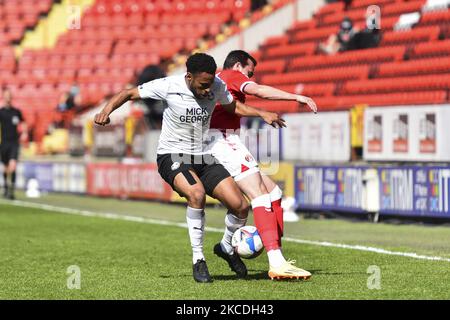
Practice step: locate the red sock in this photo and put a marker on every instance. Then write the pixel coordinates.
(278, 210)
(275, 197)
(266, 222)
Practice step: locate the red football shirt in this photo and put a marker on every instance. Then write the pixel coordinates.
(235, 81)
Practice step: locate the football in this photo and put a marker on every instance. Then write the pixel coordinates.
(247, 243)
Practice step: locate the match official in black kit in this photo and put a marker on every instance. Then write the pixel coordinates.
(10, 120)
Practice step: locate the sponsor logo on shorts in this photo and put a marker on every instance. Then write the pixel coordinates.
(175, 166)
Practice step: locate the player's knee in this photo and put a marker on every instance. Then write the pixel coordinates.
(242, 209)
(12, 167)
(196, 197)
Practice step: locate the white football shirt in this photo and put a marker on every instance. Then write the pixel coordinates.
(186, 119)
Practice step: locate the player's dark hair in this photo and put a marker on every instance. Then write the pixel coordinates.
(201, 62)
(238, 56)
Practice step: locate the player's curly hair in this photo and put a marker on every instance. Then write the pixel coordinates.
(201, 62)
(238, 56)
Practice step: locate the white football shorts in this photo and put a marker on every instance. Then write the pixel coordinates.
(234, 156)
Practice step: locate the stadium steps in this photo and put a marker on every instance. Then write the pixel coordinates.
(49, 28)
(18, 16)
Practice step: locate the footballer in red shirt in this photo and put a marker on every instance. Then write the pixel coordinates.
(227, 147)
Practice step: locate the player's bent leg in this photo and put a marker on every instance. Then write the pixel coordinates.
(287, 269)
(265, 219)
(276, 195)
(189, 185)
(229, 194)
(252, 185)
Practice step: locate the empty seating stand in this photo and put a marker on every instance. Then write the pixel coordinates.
(408, 67)
(118, 38)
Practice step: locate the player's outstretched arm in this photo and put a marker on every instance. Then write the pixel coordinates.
(114, 103)
(271, 93)
(244, 110)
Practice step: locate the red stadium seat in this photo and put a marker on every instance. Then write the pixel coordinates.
(367, 3)
(429, 82)
(411, 36)
(271, 66)
(431, 49)
(314, 34)
(414, 67)
(349, 58)
(302, 26)
(289, 50)
(388, 99)
(402, 7)
(314, 76)
(435, 18)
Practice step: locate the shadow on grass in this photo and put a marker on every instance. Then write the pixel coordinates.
(324, 272)
(257, 275)
(260, 275)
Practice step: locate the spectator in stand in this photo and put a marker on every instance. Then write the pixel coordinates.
(257, 4)
(155, 108)
(342, 41)
(370, 37)
(70, 100)
(347, 4)
(63, 104)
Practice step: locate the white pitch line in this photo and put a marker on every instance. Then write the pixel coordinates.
(116, 216)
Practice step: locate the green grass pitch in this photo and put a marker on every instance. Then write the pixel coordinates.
(132, 260)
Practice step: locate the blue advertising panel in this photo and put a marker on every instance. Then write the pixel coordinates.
(415, 191)
(329, 188)
(42, 172)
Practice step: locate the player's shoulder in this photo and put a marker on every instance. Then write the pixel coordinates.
(174, 81)
(232, 74)
(219, 83)
(160, 84)
(159, 81)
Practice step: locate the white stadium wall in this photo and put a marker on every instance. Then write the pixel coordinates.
(407, 133)
(321, 137)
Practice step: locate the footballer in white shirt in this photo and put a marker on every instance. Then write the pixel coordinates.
(182, 160)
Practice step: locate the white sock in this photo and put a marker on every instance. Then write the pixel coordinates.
(232, 223)
(262, 201)
(276, 258)
(276, 194)
(196, 223)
